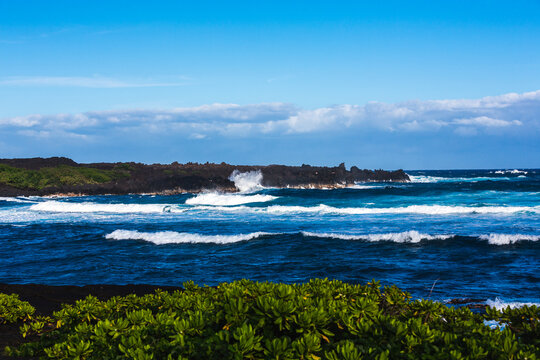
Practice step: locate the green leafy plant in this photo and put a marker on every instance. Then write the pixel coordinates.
(13, 310)
(321, 319)
(58, 176)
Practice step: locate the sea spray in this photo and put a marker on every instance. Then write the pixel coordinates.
(247, 182)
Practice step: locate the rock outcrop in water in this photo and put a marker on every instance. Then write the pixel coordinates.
(125, 178)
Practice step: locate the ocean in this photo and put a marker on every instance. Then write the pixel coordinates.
(446, 234)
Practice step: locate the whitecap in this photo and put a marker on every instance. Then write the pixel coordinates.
(228, 199)
(500, 304)
(506, 239)
(412, 209)
(411, 236)
(436, 179)
(88, 207)
(515, 171)
(173, 237)
(16, 199)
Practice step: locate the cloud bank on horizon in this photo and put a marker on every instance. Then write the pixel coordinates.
(487, 120)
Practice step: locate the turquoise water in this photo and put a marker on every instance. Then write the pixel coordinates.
(472, 233)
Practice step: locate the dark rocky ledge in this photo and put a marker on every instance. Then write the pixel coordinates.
(191, 177)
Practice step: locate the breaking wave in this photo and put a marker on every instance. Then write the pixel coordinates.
(515, 171)
(87, 207)
(226, 203)
(228, 199)
(506, 239)
(412, 209)
(500, 304)
(411, 236)
(16, 199)
(173, 237)
(425, 179)
(247, 182)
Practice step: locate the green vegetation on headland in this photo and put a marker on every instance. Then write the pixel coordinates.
(321, 319)
(57, 176)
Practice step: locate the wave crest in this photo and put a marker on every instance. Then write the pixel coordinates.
(412, 209)
(500, 304)
(228, 199)
(88, 207)
(173, 237)
(506, 239)
(411, 236)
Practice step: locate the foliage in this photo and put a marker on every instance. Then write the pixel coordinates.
(12, 309)
(58, 176)
(321, 319)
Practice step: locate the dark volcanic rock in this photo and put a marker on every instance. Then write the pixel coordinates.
(194, 177)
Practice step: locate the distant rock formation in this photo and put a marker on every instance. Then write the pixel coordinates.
(191, 177)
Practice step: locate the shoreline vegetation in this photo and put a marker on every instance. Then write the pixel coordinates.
(320, 319)
(64, 177)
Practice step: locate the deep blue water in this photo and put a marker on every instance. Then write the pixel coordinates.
(473, 233)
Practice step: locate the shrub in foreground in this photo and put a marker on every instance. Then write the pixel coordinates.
(13, 310)
(321, 319)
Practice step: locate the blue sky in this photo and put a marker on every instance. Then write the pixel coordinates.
(418, 84)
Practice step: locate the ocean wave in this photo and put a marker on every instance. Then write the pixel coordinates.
(506, 239)
(425, 179)
(173, 237)
(87, 207)
(16, 199)
(412, 209)
(411, 236)
(500, 304)
(362, 186)
(515, 171)
(228, 199)
(227, 205)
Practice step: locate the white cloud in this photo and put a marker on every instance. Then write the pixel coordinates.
(511, 112)
(487, 122)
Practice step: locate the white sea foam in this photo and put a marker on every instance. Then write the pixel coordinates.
(362, 186)
(88, 207)
(515, 171)
(16, 199)
(435, 179)
(228, 199)
(247, 182)
(506, 239)
(500, 304)
(227, 205)
(411, 236)
(173, 237)
(412, 209)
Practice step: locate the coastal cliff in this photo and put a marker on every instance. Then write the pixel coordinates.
(59, 175)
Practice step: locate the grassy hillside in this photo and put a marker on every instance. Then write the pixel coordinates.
(321, 319)
(58, 176)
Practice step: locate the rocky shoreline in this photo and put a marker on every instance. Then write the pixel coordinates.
(175, 178)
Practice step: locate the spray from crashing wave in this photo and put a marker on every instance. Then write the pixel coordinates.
(501, 304)
(247, 182)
